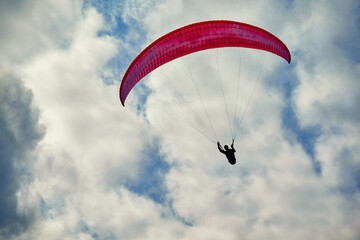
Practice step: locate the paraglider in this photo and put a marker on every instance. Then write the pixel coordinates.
(198, 37)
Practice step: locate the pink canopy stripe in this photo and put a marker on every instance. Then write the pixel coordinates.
(197, 37)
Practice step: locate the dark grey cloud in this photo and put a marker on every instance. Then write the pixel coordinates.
(19, 134)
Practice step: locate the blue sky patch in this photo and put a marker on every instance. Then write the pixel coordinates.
(286, 81)
(151, 175)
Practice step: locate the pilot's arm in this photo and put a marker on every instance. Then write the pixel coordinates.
(220, 147)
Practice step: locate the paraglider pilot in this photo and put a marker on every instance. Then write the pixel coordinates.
(229, 152)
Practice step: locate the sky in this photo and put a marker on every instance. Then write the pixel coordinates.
(76, 164)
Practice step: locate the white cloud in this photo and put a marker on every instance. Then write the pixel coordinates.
(80, 112)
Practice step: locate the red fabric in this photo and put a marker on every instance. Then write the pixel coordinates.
(197, 37)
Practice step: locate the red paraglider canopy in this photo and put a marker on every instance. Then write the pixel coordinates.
(197, 37)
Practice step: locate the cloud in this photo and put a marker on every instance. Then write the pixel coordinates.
(326, 96)
(31, 27)
(20, 133)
